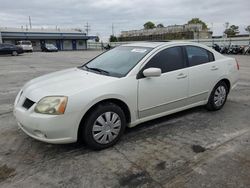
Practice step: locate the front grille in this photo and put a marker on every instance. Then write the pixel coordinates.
(28, 103)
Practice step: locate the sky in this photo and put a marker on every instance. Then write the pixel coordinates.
(123, 14)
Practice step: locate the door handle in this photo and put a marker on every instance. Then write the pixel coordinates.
(214, 68)
(181, 76)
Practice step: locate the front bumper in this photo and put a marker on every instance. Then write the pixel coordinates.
(55, 129)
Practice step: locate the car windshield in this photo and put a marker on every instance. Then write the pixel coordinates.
(118, 61)
(26, 43)
(50, 45)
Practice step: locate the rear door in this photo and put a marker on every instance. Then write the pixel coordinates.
(204, 71)
(1, 49)
(6, 49)
(169, 91)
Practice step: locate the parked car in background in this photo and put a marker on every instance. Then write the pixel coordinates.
(26, 45)
(124, 86)
(10, 49)
(49, 48)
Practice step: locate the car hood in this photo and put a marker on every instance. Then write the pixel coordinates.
(51, 48)
(63, 83)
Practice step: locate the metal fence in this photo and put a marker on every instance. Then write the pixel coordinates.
(209, 42)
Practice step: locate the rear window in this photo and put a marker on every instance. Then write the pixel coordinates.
(24, 43)
(198, 56)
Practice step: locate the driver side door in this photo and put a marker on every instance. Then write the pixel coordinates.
(168, 92)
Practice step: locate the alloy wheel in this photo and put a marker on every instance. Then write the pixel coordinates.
(14, 53)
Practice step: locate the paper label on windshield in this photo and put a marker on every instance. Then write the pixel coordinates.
(138, 50)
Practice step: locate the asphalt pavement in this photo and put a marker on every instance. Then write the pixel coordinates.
(194, 148)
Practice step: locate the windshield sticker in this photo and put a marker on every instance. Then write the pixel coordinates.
(139, 50)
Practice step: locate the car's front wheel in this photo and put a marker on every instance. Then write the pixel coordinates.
(104, 126)
(14, 53)
(218, 96)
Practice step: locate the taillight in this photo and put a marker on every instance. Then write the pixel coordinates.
(238, 66)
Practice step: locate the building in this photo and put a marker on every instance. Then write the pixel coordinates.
(63, 39)
(172, 32)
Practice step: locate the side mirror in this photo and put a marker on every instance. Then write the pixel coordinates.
(152, 72)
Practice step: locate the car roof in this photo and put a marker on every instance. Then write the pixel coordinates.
(161, 44)
(145, 44)
(7, 44)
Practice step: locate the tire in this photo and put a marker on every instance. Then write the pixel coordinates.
(14, 53)
(218, 97)
(98, 132)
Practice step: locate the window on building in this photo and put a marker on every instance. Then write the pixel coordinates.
(80, 43)
(33, 43)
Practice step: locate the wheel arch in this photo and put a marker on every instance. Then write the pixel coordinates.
(116, 101)
(227, 82)
(222, 79)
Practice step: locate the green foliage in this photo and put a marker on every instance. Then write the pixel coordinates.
(232, 30)
(198, 21)
(113, 38)
(97, 39)
(160, 25)
(149, 25)
(247, 29)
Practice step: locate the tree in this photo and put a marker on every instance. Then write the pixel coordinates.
(160, 25)
(113, 38)
(97, 39)
(232, 30)
(198, 21)
(247, 29)
(149, 25)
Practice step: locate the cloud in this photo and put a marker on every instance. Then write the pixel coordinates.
(125, 15)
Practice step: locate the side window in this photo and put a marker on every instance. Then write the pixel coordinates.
(167, 60)
(210, 56)
(198, 56)
(9, 46)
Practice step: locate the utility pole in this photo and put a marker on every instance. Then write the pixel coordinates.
(226, 25)
(212, 29)
(1, 41)
(212, 24)
(113, 28)
(30, 22)
(87, 28)
(225, 34)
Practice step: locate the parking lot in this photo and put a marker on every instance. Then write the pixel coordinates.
(194, 148)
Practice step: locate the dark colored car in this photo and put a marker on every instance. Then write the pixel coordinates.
(49, 48)
(10, 49)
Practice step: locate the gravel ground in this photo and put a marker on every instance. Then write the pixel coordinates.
(194, 148)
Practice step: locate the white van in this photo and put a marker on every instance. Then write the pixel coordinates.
(26, 45)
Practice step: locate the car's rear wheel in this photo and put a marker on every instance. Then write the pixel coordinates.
(218, 96)
(104, 126)
(14, 53)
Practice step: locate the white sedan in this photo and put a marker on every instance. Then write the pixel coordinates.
(125, 86)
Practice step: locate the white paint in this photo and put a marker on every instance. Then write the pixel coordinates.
(84, 89)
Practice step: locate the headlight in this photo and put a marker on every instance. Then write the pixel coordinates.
(54, 105)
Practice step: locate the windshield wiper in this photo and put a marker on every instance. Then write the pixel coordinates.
(97, 70)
